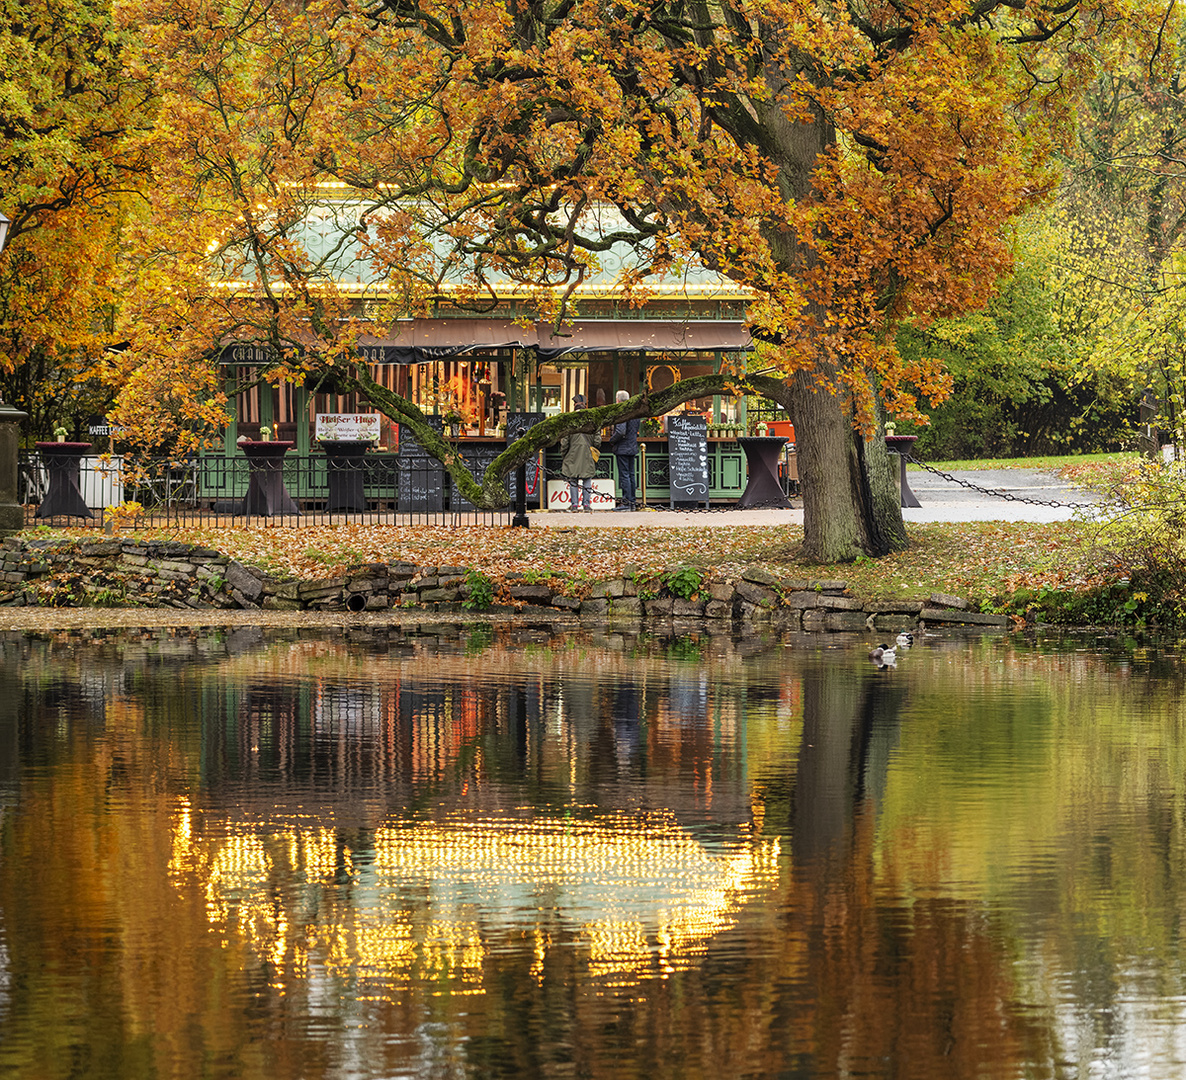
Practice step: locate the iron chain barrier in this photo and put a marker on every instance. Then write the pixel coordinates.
(1008, 496)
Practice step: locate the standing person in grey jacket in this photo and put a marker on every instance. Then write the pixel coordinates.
(579, 465)
(624, 443)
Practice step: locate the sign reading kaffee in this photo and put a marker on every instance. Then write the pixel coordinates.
(347, 427)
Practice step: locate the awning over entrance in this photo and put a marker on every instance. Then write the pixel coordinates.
(421, 340)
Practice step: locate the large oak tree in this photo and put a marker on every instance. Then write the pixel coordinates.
(850, 164)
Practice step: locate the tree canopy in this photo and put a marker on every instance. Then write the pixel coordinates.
(68, 112)
(851, 165)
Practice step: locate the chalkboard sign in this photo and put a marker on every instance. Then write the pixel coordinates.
(478, 456)
(421, 476)
(518, 424)
(687, 458)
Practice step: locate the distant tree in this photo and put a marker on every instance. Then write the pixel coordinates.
(68, 164)
(1019, 385)
(1122, 215)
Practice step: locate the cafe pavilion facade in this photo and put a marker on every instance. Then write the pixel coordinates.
(474, 372)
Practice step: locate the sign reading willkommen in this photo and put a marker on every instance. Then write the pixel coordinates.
(602, 494)
(347, 427)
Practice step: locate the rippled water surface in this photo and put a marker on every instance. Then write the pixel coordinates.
(489, 853)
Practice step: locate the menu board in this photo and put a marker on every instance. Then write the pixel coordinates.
(421, 476)
(478, 456)
(687, 458)
(518, 424)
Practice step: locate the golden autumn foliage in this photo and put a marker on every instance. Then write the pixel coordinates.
(66, 171)
(852, 166)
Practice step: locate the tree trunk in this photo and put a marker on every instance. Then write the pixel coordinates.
(851, 502)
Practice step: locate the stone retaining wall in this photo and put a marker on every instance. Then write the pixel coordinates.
(137, 573)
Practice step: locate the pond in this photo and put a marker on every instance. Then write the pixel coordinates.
(492, 852)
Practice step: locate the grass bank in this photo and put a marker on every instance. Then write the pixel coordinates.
(1000, 567)
(1068, 572)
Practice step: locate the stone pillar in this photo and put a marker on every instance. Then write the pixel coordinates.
(12, 513)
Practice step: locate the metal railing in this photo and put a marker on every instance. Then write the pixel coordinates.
(215, 490)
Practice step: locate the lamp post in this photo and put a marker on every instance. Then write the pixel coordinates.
(12, 513)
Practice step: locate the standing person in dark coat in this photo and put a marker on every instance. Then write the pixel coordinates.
(579, 465)
(624, 443)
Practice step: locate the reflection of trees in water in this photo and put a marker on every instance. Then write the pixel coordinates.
(866, 961)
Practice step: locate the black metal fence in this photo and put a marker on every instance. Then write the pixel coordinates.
(67, 488)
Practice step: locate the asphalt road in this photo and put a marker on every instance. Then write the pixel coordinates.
(942, 500)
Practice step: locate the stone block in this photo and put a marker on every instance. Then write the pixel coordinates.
(627, 605)
(837, 621)
(951, 617)
(275, 603)
(176, 566)
(836, 586)
(439, 596)
(240, 580)
(566, 603)
(99, 549)
(841, 603)
(682, 609)
(757, 575)
(531, 594)
(661, 606)
(595, 605)
(718, 609)
(720, 590)
(815, 619)
(367, 584)
(895, 622)
(307, 590)
(942, 600)
(757, 595)
(894, 607)
(611, 589)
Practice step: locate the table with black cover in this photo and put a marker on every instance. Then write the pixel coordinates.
(345, 471)
(763, 487)
(266, 494)
(900, 445)
(62, 463)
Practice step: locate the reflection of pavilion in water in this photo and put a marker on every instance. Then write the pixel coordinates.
(411, 733)
(467, 812)
(639, 895)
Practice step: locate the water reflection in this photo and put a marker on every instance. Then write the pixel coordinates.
(486, 854)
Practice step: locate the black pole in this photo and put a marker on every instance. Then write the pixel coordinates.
(519, 521)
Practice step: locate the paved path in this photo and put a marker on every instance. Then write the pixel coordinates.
(941, 500)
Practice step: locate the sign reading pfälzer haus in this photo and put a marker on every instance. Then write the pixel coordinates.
(347, 427)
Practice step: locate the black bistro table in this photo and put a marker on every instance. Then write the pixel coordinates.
(763, 487)
(345, 471)
(266, 494)
(62, 463)
(900, 445)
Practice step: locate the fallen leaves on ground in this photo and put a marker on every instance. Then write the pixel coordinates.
(981, 560)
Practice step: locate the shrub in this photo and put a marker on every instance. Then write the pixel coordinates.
(479, 591)
(684, 582)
